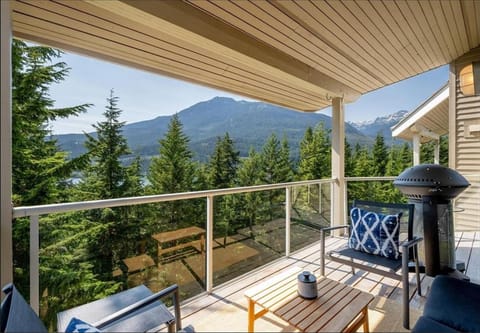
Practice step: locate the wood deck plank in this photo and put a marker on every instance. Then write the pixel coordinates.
(232, 293)
(464, 247)
(473, 266)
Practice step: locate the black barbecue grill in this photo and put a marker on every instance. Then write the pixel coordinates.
(431, 188)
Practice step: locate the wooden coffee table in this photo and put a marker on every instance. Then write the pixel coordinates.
(338, 308)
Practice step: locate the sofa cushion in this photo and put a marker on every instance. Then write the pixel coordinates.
(79, 326)
(427, 325)
(455, 303)
(374, 233)
(16, 313)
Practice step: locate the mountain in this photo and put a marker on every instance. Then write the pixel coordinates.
(248, 124)
(380, 125)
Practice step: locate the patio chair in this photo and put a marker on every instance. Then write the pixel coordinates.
(380, 240)
(133, 310)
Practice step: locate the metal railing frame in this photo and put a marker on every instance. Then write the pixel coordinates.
(34, 213)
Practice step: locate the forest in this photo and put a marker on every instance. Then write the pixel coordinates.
(80, 250)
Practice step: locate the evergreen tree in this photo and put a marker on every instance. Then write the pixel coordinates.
(107, 178)
(349, 160)
(250, 173)
(315, 154)
(406, 156)
(444, 150)
(173, 171)
(363, 168)
(379, 155)
(223, 163)
(40, 176)
(427, 151)
(285, 164)
(394, 164)
(275, 171)
(39, 168)
(222, 172)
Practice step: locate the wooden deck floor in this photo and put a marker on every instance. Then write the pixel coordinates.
(226, 308)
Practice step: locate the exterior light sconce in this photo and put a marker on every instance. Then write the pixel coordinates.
(470, 79)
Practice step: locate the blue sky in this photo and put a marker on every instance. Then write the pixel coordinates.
(145, 96)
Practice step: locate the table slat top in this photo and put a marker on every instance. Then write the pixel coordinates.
(336, 306)
(177, 234)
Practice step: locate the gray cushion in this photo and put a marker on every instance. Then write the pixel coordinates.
(427, 325)
(454, 303)
(17, 315)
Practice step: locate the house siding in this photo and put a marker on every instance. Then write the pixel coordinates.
(466, 149)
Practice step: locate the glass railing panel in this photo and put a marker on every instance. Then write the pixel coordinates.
(311, 210)
(87, 255)
(373, 190)
(249, 231)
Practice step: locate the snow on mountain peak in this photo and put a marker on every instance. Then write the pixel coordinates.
(389, 120)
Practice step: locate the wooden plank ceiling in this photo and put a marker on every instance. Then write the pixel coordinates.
(298, 54)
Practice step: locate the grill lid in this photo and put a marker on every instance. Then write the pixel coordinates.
(430, 180)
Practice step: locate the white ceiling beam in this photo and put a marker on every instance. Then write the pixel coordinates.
(425, 132)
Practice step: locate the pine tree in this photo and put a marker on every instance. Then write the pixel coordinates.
(223, 163)
(406, 156)
(250, 173)
(315, 154)
(285, 165)
(40, 176)
(444, 150)
(173, 172)
(363, 168)
(379, 155)
(277, 166)
(394, 164)
(222, 172)
(108, 178)
(275, 171)
(349, 160)
(39, 168)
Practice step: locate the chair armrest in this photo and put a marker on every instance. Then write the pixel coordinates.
(408, 244)
(172, 290)
(335, 227)
(405, 246)
(322, 244)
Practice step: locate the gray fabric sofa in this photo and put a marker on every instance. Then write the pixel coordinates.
(453, 305)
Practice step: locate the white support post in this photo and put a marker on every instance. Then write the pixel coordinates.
(436, 152)
(338, 162)
(34, 263)
(416, 149)
(288, 215)
(6, 247)
(209, 246)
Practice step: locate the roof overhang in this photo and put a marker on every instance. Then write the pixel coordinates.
(429, 120)
(298, 54)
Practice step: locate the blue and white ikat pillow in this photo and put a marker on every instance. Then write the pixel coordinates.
(79, 326)
(375, 233)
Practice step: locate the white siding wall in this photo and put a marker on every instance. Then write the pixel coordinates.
(466, 149)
